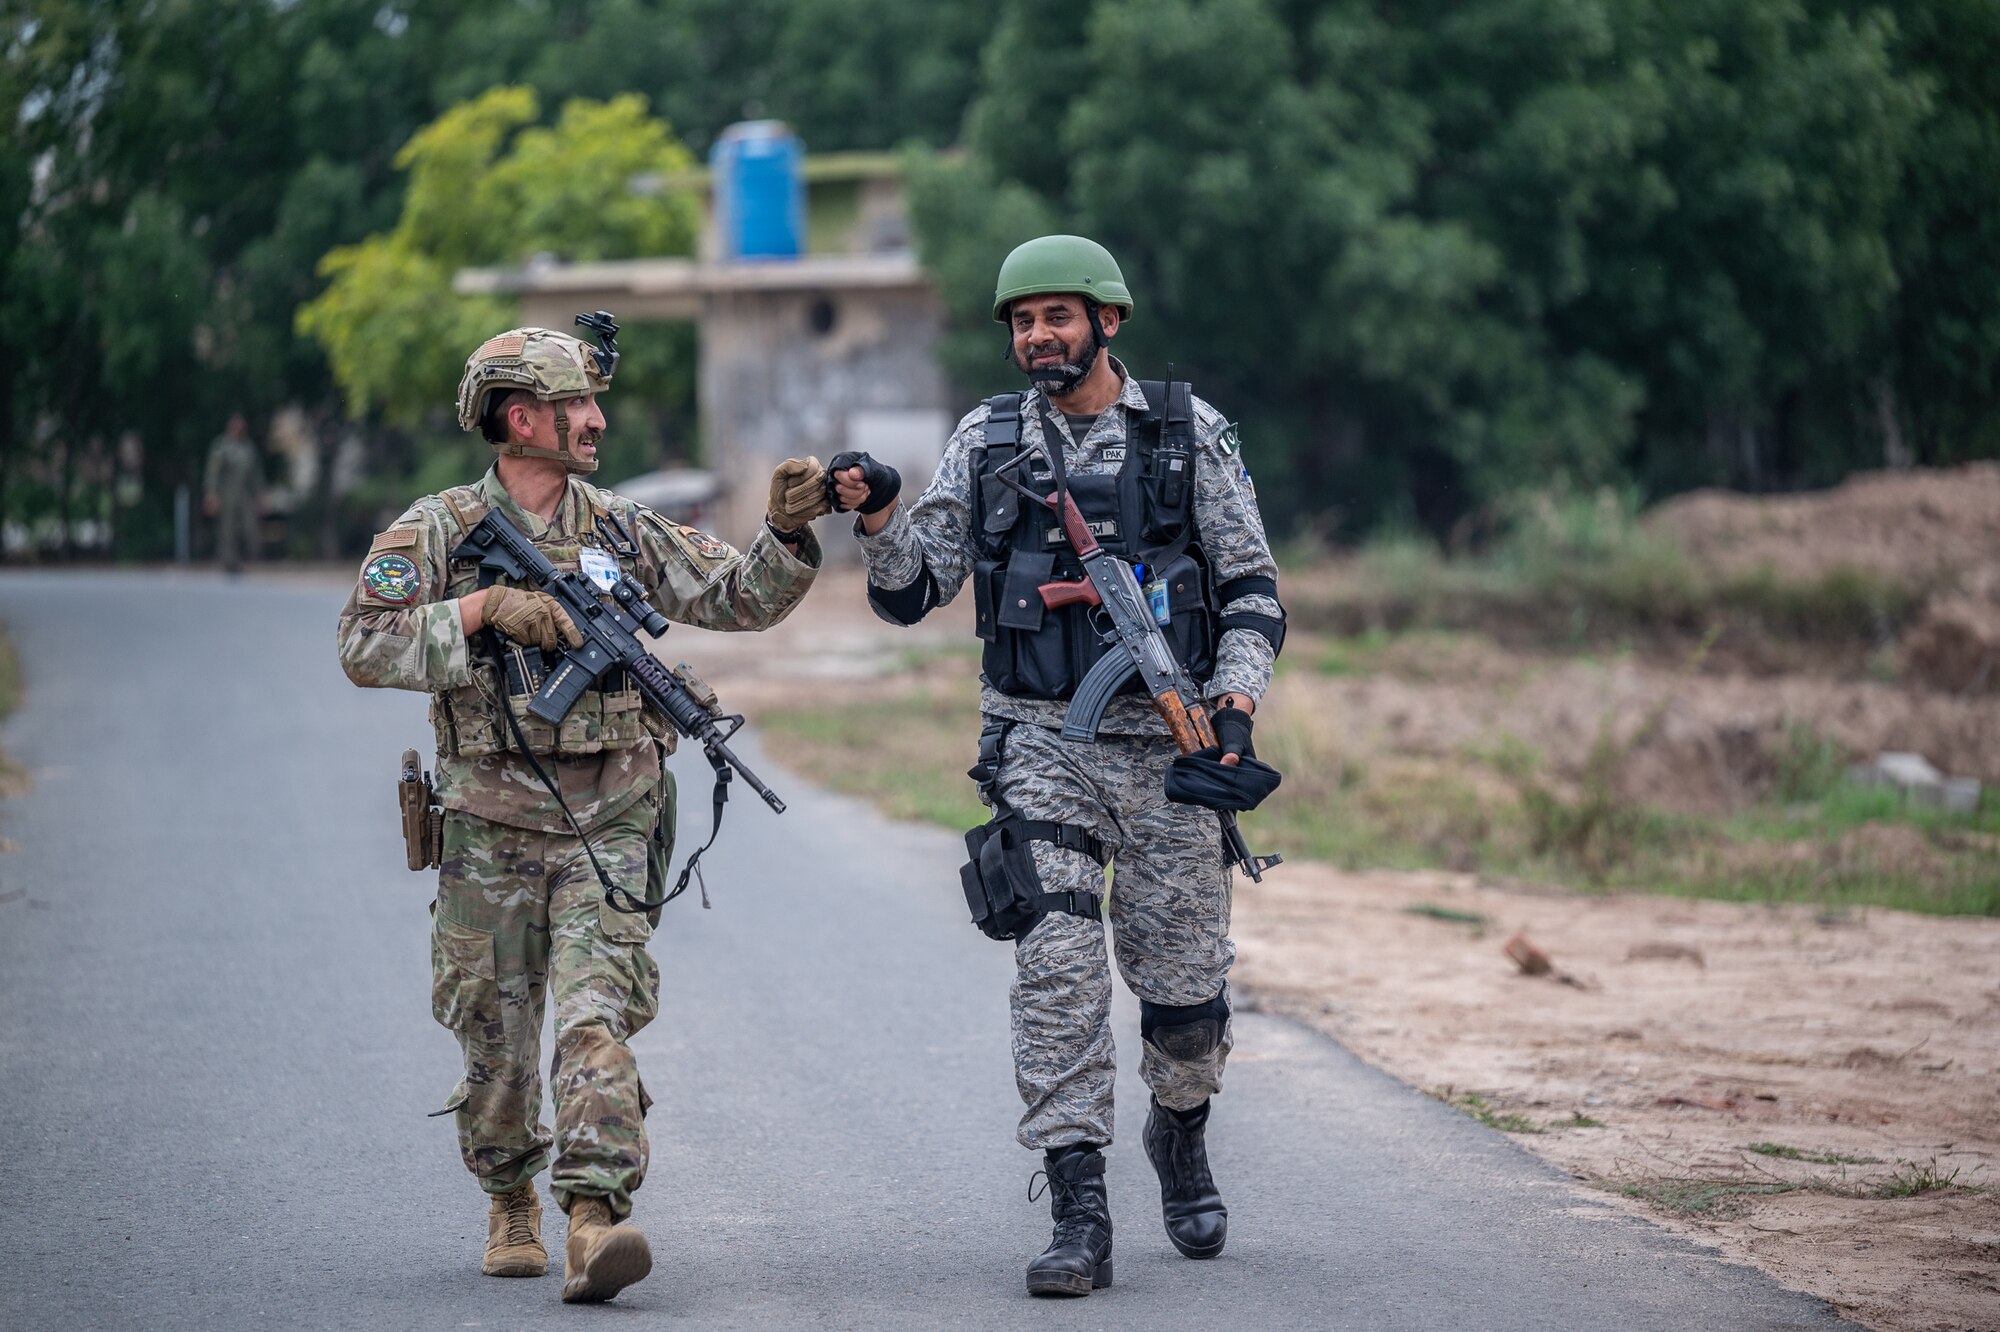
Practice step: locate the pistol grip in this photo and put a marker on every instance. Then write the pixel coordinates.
(1082, 593)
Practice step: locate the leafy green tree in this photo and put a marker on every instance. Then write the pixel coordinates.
(1941, 347)
(489, 186)
(1440, 250)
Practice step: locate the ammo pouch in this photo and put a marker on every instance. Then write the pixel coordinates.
(1003, 888)
(423, 817)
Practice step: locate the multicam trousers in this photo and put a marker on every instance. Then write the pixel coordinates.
(519, 913)
(1169, 914)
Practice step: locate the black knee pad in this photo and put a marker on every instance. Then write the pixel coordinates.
(1185, 1031)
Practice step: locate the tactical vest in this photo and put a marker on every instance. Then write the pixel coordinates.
(467, 719)
(1143, 514)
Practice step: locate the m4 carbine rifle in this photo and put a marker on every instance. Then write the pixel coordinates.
(610, 625)
(1137, 648)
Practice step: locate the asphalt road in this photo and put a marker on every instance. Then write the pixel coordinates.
(216, 1058)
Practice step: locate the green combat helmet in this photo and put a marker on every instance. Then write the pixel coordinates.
(1061, 264)
(553, 366)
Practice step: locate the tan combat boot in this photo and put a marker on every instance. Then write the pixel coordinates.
(514, 1234)
(602, 1257)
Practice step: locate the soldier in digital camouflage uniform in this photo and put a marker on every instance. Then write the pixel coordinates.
(519, 910)
(1126, 450)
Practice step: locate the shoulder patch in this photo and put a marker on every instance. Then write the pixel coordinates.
(396, 538)
(697, 547)
(704, 545)
(1229, 441)
(392, 579)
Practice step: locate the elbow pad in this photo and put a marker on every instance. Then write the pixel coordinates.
(905, 605)
(1272, 627)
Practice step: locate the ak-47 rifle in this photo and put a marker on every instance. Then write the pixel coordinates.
(1137, 648)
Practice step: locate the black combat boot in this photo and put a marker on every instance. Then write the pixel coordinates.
(1197, 1222)
(1078, 1259)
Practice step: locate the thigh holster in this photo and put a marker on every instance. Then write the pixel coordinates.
(1002, 886)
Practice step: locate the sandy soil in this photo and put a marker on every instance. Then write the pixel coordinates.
(1688, 1031)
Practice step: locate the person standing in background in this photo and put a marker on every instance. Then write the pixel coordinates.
(230, 486)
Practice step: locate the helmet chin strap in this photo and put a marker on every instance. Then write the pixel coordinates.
(560, 453)
(570, 461)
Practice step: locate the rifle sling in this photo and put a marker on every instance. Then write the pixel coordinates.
(612, 892)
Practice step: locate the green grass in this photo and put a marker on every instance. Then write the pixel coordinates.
(1579, 568)
(1914, 1179)
(1451, 914)
(1491, 808)
(1476, 1107)
(1785, 1153)
(1848, 806)
(1357, 654)
(909, 756)
(1712, 1200)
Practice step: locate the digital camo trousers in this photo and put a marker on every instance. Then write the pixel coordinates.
(519, 913)
(1169, 914)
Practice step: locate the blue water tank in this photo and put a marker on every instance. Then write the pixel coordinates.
(760, 193)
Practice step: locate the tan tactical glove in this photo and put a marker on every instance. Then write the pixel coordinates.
(798, 494)
(534, 618)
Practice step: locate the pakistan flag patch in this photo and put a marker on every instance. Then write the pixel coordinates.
(392, 578)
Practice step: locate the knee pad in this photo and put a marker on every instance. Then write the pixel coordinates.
(1185, 1031)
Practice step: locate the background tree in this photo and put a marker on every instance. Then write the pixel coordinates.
(1434, 252)
(487, 186)
(1428, 252)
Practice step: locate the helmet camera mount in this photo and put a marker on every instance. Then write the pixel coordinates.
(600, 324)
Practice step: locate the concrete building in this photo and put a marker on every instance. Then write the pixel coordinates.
(829, 351)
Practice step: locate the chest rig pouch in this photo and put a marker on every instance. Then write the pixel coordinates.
(468, 720)
(1143, 513)
(1002, 886)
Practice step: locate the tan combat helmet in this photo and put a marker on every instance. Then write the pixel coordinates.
(553, 366)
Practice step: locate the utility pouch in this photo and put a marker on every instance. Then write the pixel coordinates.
(423, 817)
(1002, 886)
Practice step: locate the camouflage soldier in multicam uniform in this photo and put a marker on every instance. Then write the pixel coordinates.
(520, 911)
(1128, 451)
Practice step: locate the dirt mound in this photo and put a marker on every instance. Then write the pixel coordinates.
(1915, 528)
(1954, 645)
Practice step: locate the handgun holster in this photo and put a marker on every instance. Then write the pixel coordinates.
(423, 817)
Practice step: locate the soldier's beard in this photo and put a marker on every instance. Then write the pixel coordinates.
(1061, 378)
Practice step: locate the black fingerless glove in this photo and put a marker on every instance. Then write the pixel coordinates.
(1202, 778)
(1232, 732)
(883, 481)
